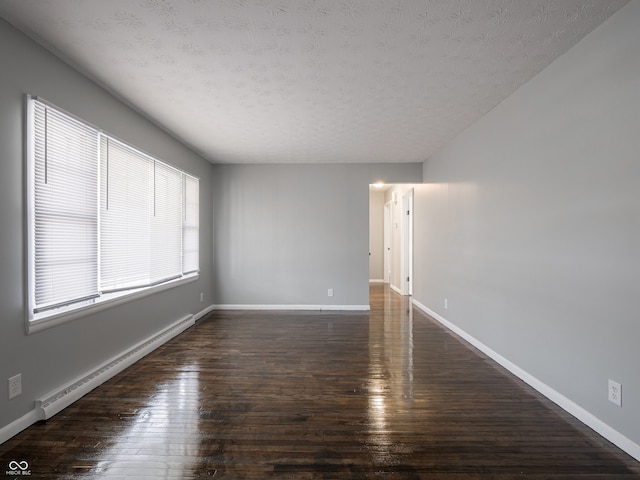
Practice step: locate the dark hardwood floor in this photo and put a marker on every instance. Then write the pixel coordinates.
(316, 395)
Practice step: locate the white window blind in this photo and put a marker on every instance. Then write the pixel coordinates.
(65, 215)
(125, 215)
(106, 218)
(166, 224)
(191, 225)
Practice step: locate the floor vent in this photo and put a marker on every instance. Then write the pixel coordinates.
(65, 395)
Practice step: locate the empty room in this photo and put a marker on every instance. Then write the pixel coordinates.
(319, 239)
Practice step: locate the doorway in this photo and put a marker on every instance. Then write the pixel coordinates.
(391, 236)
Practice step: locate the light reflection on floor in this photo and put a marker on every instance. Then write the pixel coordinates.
(166, 428)
(390, 383)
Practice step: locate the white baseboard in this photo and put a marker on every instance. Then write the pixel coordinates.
(376, 280)
(556, 397)
(18, 425)
(395, 289)
(364, 308)
(63, 396)
(202, 313)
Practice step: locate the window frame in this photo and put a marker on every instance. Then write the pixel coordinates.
(35, 322)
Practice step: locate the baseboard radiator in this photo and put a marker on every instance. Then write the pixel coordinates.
(63, 396)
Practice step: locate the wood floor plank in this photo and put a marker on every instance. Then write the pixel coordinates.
(316, 395)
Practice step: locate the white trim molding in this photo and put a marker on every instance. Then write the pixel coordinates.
(364, 308)
(202, 313)
(556, 397)
(18, 425)
(376, 280)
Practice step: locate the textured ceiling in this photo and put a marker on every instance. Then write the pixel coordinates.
(310, 80)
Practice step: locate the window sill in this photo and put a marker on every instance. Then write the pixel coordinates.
(68, 314)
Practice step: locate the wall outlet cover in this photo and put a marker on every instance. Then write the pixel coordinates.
(15, 386)
(615, 392)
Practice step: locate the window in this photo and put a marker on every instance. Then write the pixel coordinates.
(105, 220)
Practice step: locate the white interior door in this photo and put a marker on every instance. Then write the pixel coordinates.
(407, 243)
(387, 242)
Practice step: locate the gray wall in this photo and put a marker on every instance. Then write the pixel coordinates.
(286, 233)
(530, 225)
(52, 357)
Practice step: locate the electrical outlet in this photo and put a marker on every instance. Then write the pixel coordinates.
(330, 292)
(615, 393)
(201, 297)
(15, 386)
(446, 303)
